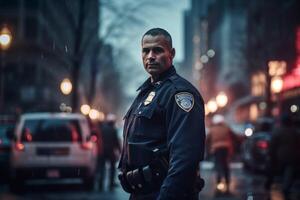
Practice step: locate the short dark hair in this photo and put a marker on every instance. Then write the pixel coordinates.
(159, 31)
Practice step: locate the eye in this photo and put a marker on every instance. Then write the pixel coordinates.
(145, 51)
(158, 50)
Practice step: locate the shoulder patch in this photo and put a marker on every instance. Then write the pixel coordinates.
(185, 101)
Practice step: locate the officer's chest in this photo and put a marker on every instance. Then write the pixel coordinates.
(147, 116)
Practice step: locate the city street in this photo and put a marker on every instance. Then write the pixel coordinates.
(244, 186)
(156, 84)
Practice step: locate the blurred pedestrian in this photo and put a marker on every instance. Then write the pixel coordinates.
(284, 155)
(111, 151)
(220, 146)
(164, 132)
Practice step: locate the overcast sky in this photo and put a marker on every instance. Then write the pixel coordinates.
(168, 17)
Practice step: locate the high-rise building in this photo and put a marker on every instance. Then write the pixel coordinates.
(49, 37)
(245, 37)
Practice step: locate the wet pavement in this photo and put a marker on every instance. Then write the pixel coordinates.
(244, 186)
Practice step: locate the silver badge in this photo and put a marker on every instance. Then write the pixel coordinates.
(185, 101)
(149, 98)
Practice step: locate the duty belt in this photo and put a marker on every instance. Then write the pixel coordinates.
(143, 180)
(147, 180)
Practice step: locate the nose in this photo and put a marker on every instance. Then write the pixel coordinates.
(151, 55)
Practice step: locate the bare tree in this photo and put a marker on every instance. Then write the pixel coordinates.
(72, 27)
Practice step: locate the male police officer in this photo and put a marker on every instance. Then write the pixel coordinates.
(164, 132)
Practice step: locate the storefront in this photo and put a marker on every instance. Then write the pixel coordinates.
(290, 96)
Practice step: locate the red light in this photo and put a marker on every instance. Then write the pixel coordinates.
(290, 81)
(87, 145)
(94, 138)
(262, 144)
(298, 40)
(20, 146)
(28, 137)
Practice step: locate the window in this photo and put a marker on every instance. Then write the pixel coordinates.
(51, 130)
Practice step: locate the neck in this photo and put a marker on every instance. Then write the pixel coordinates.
(154, 79)
(157, 77)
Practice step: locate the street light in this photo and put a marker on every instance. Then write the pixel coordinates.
(276, 84)
(212, 106)
(207, 111)
(5, 41)
(221, 99)
(85, 109)
(66, 86)
(5, 38)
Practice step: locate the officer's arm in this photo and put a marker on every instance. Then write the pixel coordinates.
(186, 138)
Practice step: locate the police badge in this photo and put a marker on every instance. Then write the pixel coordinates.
(185, 101)
(149, 98)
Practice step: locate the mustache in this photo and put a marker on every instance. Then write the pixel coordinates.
(152, 63)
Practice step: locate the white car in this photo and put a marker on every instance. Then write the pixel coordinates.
(52, 146)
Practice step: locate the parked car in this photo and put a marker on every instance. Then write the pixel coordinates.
(254, 151)
(52, 146)
(7, 124)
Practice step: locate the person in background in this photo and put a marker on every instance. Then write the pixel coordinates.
(111, 151)
(284, 155)
(220, 146)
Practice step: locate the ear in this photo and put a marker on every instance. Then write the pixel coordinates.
(173, 52)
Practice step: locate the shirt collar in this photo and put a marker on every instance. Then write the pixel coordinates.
(162, 77)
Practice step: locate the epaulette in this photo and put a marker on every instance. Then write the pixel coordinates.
(173, 79)
(181, 84)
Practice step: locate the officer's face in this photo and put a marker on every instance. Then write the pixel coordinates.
(157, 54)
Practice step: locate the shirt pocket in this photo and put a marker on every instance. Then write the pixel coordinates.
(147, 125)
(145, 111)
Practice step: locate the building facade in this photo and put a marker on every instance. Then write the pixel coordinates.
(48, 39)
(245, 38)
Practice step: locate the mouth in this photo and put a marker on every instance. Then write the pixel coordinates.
(151, 65)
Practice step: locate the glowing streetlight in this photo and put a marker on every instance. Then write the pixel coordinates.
(211, 53)
(221, 99)
(248, 132)
(5, 38)
(294, 108)
(276, 84)
(212, 106)
(85, 109)
(206, 109)
(5, 41)
(66, 86)
(94, 114)
(101, 116)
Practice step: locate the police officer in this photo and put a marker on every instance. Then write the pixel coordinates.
(164, 133)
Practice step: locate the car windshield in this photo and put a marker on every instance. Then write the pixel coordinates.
(45, 130)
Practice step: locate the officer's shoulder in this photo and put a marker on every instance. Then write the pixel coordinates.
(179, 83)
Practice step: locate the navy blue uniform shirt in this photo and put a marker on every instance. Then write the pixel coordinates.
(169, 112)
